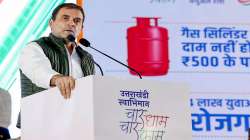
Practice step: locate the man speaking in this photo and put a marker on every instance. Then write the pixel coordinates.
(53, 61)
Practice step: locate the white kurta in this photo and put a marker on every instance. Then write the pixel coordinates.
(37, 67)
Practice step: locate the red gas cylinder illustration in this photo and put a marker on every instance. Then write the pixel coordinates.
(148, 47)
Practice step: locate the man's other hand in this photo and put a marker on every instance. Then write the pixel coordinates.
(65, 84)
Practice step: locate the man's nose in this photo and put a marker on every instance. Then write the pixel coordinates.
(71, 22)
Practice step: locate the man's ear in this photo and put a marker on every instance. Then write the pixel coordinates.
(50, 22)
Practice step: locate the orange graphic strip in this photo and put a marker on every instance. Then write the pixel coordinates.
(80, 3)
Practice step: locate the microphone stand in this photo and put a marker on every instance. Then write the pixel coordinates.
(117, 61)
(78, 48)
(71, 38)
(98, 67)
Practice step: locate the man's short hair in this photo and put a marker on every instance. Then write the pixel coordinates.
(69, 6)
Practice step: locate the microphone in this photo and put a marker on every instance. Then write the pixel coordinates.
(86, 43)
(71, 38)
(80, 51)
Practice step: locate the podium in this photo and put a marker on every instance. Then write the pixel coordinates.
(109, 108)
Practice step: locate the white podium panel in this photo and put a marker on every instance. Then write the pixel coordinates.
(107, 108)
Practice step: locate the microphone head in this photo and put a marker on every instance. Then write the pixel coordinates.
(71, 38)
(84, 42)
